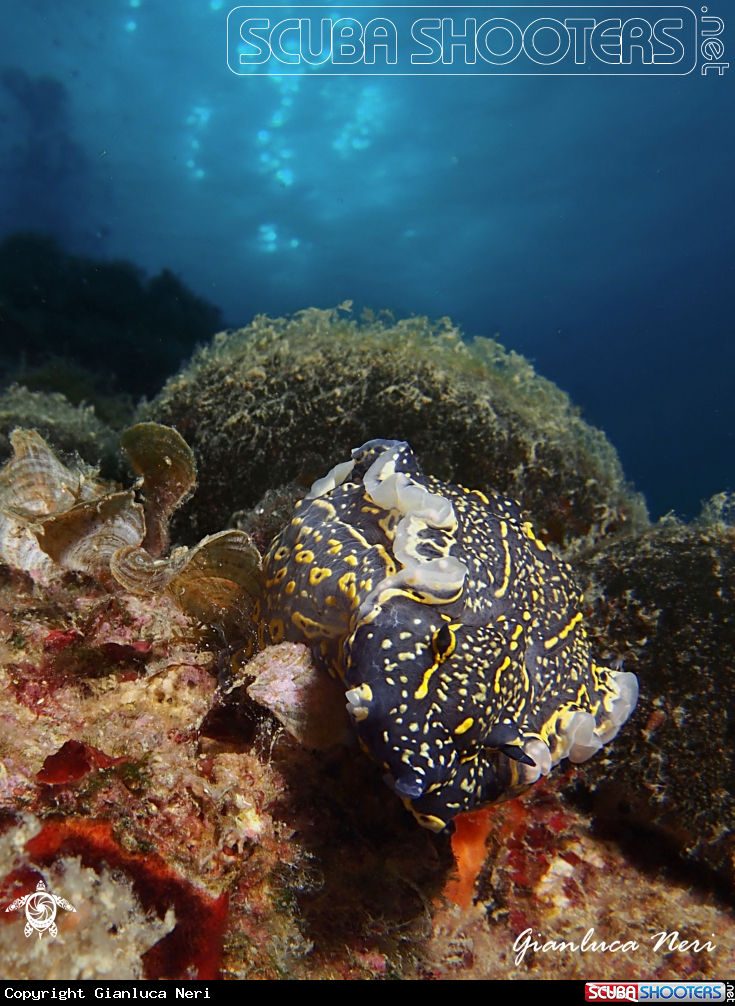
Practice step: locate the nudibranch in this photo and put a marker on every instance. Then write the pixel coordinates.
(457, 632)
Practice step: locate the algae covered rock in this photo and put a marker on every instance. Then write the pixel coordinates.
(71, 429)
(286, 399)
(666, 604)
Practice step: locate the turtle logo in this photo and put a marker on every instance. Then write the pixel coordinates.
(41, 910)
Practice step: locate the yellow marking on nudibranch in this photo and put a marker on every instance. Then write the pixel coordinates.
(321, 504)
(464, 726)
(336, 547)
(276, 629)
(570, 625)
(500, 592)
(526, 679)
(350, 560)
(387, 558)
(277, 578)
(388, 523)
(423, 689)
(318, 574)
(313, 629)
(483, 497)
(583, 696)
(290, 587)
(359, 538)
(347, 584)
(513, 639)
(429, 821)
(501, 668)
(304, 556)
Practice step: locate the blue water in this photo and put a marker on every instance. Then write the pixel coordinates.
(588, 221)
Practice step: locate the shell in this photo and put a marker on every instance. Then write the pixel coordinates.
(165, 462)
(54, 518)
(307, 702)
(218, 581)
(86, 537)
(19, 548)
(138, 572)
(35, 485)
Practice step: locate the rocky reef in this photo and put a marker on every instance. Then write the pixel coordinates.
(664, 601)
(207, 808)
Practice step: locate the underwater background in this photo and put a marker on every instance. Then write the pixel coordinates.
(214, 287)
(586, 221)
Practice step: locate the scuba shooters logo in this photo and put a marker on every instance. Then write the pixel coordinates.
(471, 40)
(712, 47)
(40, 908)
(657, 991)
